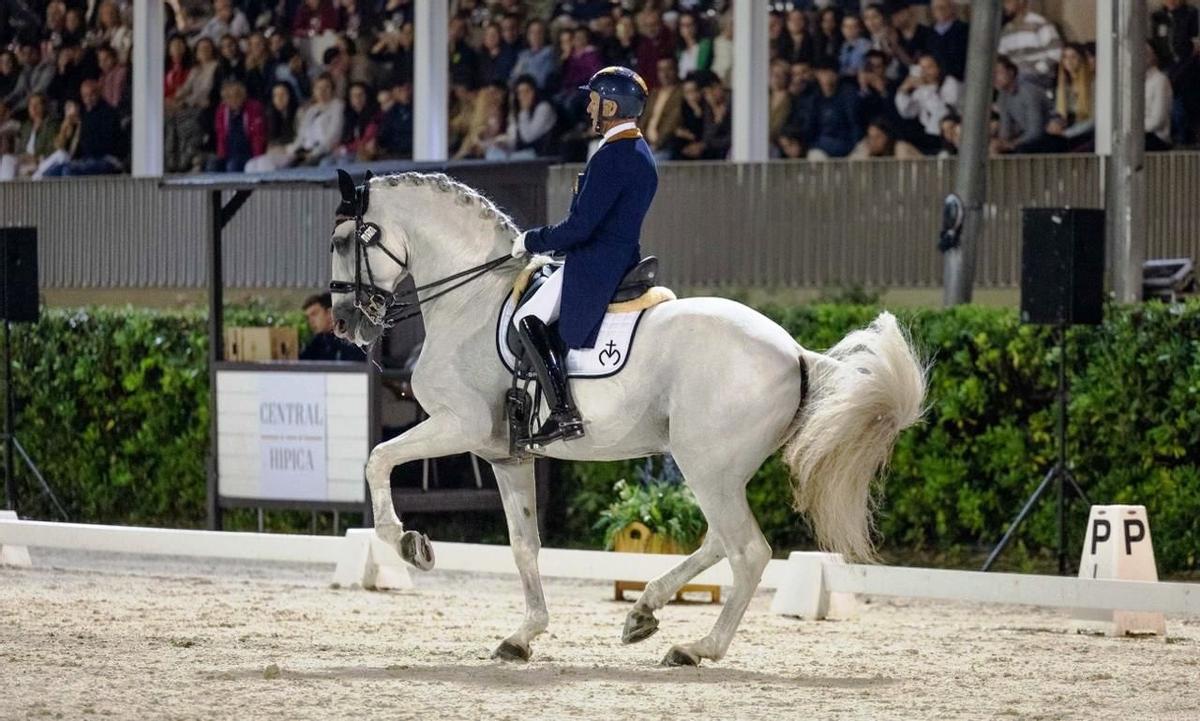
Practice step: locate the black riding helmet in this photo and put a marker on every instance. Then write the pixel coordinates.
(622, 94)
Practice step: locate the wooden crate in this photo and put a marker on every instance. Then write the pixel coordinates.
(261, 344)
(637, 538)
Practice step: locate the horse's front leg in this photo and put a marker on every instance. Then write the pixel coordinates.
(518, 491)
(439, 435)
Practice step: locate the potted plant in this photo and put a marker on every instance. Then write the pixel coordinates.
(654, 514)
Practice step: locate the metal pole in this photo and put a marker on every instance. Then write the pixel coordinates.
(431, 73)
(216, 350)
(970, 182)
(750, 70)
(1126, 186)
(10, 484)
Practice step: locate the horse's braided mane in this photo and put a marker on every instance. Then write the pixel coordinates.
(464, 195)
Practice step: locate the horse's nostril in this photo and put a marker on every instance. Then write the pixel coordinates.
(341, 325)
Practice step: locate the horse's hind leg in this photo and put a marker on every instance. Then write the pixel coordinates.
(518, 492)
(641, 624)
(730, 519)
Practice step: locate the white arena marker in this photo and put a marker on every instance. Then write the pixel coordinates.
(13, 555)
(1118, 546)
(803, 591)
(368, 562)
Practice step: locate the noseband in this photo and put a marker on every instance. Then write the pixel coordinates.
(380, 306)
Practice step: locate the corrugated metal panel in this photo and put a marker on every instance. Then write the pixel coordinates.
(782, 224)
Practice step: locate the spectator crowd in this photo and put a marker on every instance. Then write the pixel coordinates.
(258, 85)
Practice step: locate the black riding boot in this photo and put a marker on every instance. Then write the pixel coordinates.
(564, 421)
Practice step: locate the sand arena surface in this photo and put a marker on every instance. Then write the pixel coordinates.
(96, 636)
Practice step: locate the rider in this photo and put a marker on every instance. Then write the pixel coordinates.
(599, 240)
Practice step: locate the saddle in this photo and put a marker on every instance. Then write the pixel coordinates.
(633, 296)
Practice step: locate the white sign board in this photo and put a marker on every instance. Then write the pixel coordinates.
(1118, 546)
(292, 436)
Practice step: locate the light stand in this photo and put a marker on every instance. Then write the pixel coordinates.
(1058, 475)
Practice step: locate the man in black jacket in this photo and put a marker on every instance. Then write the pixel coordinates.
(99, 136)
(325, 346)
(947, 42)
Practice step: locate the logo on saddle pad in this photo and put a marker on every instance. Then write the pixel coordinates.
(609, 356)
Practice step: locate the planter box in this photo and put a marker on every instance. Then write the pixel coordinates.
(637, 538)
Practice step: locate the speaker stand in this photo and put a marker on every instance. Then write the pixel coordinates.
(1059, 475)
(11, 443)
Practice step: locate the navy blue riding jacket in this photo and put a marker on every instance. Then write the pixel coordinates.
(600, 234)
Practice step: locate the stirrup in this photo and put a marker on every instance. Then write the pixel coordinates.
(564, 425)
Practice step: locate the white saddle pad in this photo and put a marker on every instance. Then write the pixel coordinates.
(606, 358)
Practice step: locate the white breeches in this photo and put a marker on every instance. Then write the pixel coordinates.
(545, 301)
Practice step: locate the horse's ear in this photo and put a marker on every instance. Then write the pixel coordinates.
(346, 185)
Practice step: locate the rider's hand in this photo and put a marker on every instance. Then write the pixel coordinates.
(518, 248)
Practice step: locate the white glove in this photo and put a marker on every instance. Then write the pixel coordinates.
(518, 248)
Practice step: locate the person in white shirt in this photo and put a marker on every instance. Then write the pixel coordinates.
(529, 124)
(318, 131)
(1159, 98)
(928, 95)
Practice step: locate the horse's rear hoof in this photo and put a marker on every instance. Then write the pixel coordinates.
(416, 549)
(509, 651)
(677, 656)
(639, 626)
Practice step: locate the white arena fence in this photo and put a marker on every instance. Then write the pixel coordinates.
(809, 585)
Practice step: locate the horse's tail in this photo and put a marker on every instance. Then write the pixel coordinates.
(862, 393)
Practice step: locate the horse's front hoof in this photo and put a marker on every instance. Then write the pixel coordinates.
(678, 656)
(416, 549)
(639, 626)
(512, 651)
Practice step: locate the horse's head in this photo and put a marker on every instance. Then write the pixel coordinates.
(367, 267)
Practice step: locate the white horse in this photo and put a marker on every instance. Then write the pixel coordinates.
(710, 381)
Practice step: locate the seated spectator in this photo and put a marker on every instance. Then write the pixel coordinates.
(1175, 32)
(35, 141)
(776, 37)
(854, 47)
(359, 128)
(686, 144)
(65, 141)
(74, 29)
(655, 41)
(10, 74)
(394, 49)
(9, 129)
(487, 122)
(622, 49)
(951, 128)
(315, 17)
(97, 149)
(464, 61)
(664, 110)
(779, 99)
(179, 66)
(833, 127)
(496, 59)
(716, 135)
(530, 124)
(876, 93)
(580, 66)
(1072, 120)
(722, 63)
(336, 65)
(324, 345)
(226, 20)
(791, 142)
(886, 39)
(881, 142)
(258, 68)
(948, 41)
(695, 50)
(928, 96)
(184, 113)
(318, 129)
(799, 46)
(1023, 111)
(240, 127)
(538, 60)
(1031, 42)
(114, 78)
(67, 75)
(281, 119)
(827, 41)
(112, 31)
(395, 136)
(1159, 100)
(36, 73)
(802, 86)
(912, 36)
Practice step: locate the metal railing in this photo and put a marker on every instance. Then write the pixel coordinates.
(779, 224)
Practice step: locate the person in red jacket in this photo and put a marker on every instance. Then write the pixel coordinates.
(314, 17)
(241, 129)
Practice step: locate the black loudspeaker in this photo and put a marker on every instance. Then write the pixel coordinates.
(1062, 266)
(18, 275)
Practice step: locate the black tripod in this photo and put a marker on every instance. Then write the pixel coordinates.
(1059, 475)
(11, 444)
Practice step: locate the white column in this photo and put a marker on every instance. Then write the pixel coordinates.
(147, 70)
(750, 76)
(1104, 82)
(431, 71)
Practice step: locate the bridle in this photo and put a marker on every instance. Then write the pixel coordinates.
(383, 307)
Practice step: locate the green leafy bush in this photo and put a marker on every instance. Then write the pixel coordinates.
(665, 505)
